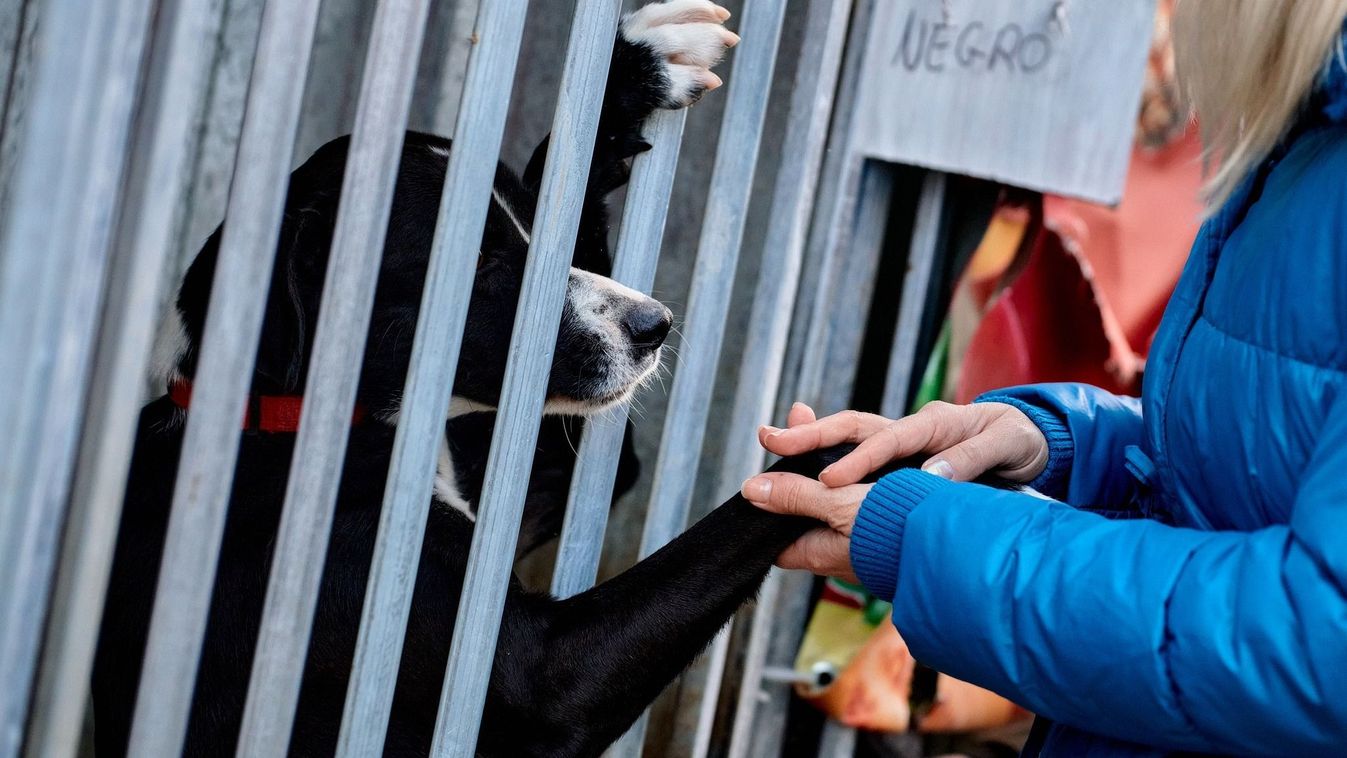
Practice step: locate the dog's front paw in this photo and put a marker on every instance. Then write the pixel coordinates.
(688, 38)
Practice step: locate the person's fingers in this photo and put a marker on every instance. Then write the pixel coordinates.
(933, 428)
(795, 495)
(847, 426)
(800, 414)
(822, 551)
(1007, 449)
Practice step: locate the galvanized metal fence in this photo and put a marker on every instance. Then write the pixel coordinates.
(98, 130)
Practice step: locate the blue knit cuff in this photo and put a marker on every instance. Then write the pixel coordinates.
(1056, 475)
(877, 536)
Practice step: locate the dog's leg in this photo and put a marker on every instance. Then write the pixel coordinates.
(607, 653)
(662, 59)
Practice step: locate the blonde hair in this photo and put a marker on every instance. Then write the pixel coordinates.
(1248, 67)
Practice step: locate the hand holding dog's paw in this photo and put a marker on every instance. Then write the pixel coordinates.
(688, 38)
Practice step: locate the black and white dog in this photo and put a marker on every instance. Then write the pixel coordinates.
(569, 675)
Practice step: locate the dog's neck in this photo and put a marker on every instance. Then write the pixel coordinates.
(281, 415)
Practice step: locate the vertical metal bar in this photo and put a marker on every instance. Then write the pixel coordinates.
(712, 283)
(812, 96)
(18, 83)
(926, 240)
(11, 36)
(343, 322)
(54, 245)
(837, 741)
(591, 493)
(832, 223)
(837, 328)
(430, 374)
(444, 66)
(523, 389)
(713, 276)
(834, 214)
(233, 323)
(867, 237)
(156, 171)
(707, 706)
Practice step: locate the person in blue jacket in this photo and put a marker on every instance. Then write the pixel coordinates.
(1188, 592)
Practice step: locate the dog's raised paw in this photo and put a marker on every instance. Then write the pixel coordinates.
(689, 38)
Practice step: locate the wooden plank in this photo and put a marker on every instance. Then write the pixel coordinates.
(1040, 94)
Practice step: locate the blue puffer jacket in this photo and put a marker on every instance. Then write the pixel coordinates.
(1195, 596)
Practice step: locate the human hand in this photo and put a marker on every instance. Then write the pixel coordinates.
(965, 441)
(826, 550)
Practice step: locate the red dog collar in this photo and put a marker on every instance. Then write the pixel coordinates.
(275, 414)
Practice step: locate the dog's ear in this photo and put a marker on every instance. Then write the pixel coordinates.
(296, 280)
(291, 315)
(291, 308)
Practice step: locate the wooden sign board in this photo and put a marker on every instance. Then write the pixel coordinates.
(1040, 94)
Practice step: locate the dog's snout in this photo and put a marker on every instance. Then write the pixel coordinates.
(648, 323)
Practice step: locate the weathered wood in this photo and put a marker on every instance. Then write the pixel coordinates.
(1040, 94)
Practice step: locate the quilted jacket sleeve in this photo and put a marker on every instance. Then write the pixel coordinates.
(1087, 431)
(1223, 642)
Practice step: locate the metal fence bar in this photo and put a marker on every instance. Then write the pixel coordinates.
(591, 492)
(837, 741)
(233, 324)
(444, 66)
(18, 75)
(773, 305)
(834, 213)
(829, 232)
(871, 221)
(430, 374)
(926, 240)
(343, 322)
(523, 390)
(712, 283)
(156, 173)
(54, 245)
(713, 276)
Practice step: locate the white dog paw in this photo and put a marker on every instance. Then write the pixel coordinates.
(689, 38)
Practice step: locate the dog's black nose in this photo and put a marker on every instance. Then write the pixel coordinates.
(648, 323)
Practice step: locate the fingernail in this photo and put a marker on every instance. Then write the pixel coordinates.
(757, 489)
(940, 467)
(772, 431)
(825, 471)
